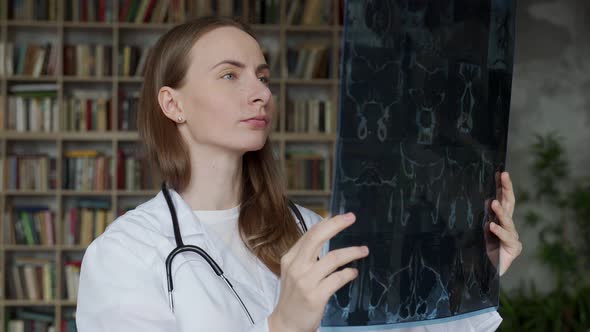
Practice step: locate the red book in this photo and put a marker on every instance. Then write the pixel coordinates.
(101, 10)
(124, 9)
(73, 225)
(84, 16)
(148, 12)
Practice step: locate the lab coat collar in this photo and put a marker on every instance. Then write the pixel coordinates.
(187, 221)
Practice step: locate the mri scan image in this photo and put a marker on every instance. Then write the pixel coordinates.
(422, 130)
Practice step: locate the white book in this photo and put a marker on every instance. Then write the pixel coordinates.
(16, 325)
(99, 60)
(34, 112)
(11, 118)
(38, 67)
(21, 116)
(9, 69)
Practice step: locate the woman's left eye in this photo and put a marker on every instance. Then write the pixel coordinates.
(229, 76)
(264, 79)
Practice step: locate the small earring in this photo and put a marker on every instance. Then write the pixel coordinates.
(180, 119)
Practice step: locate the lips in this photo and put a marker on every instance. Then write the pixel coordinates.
(260, 121)
(258, 118)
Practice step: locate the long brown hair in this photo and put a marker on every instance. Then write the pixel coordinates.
(266, 224)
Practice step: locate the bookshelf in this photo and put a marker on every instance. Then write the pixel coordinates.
(281, 34)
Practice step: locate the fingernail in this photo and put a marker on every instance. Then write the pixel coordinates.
(365, 250)
(349, 216)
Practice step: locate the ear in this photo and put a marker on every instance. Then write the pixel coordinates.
(170, 105)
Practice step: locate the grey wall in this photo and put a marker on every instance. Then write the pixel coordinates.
(551, 91)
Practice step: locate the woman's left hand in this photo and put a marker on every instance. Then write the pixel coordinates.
(510, 246)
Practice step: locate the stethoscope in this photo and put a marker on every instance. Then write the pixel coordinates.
(181, 247)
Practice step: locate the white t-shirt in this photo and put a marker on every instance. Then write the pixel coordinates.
(223, 224)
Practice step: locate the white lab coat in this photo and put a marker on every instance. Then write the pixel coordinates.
(123, 280)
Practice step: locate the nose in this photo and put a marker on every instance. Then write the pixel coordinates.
(259, 94)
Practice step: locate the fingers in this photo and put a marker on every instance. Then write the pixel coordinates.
(508, 199)
(314, 239)
(337, 258)
(509, 239)
(504, 217)
(335, 281)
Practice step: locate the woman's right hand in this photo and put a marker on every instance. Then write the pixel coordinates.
(307, 283)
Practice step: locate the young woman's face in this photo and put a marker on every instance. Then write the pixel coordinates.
(226, 99)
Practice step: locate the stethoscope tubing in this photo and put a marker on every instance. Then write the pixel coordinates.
(181, 247)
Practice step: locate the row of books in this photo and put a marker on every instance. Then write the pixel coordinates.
(72, 277)
(27, 59)
(89, 10)
(264, 11)
(89, 170)
(32, 225)
(31, 113)
(83, 170)
(36, 172)
(309, 12)
(86, 221)
(32, 10)
(310, 60)
(86, 170)
(32, 320)
(172, 11)
(88, 60)
(307, 170)
(133, 172)
(128, 110)
(309, 116)
(146, 11)
(87, 110)
(32, 278)
(35, 225)
(132, 60)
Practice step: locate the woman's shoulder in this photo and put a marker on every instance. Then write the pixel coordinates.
(136, 232)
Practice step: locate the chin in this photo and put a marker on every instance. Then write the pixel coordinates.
(252, 144)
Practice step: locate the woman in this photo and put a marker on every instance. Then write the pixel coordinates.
(205, 113)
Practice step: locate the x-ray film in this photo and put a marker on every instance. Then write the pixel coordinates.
(422, 129)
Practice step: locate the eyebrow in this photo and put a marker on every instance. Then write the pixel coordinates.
(241, 65)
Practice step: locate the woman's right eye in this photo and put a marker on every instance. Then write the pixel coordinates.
(229, 76)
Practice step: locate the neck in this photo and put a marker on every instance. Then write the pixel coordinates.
(216, 178)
